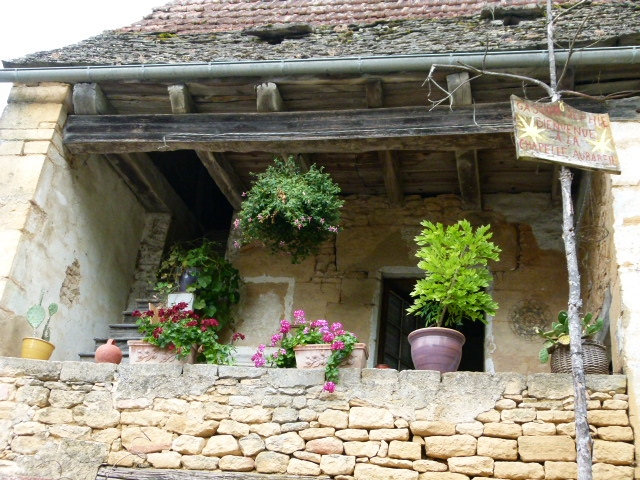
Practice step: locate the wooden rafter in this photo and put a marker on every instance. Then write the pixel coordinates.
(218, 167)
(466, 160)
(89, 99)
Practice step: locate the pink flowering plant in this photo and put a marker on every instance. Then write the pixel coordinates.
(303, 332)
(180, 329)
(290, 211)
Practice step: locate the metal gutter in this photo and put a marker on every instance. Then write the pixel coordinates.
(318, 66)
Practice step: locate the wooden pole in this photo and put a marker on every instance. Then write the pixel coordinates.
(583, 437)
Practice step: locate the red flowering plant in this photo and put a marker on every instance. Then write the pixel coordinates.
(303, 332)
(180, 329)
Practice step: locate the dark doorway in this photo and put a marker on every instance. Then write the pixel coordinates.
(395, 324)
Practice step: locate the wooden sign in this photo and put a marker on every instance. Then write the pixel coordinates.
(558, 133)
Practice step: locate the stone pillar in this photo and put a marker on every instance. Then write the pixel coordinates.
(30, 138)
(626, 225)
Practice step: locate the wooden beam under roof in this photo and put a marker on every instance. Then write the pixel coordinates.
(466, 160)
(89, 99)
(388, 159)
(404, 128)
(221, 171)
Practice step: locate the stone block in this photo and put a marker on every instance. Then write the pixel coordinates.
(615, 453)
(607, 383)
(231, 427)
(362, 449)
(335, 464)
(450, 446)
(518, 415)
(536, 428)
(272, 462)
(144, 417)
(66, 398)
(285, 443)
(616, 434)
(474, 429)
(164, 459)
(518, 471)
(316, 433)
(70, 431)
(560, 470)
(52, 415)
(604, 471)
(325, 446)
(472, 466)
(188, 445)
(199, 462)
(405, 450)
(30, 116)
(266, 429)
(33, 395)
(353, 435)
(27, 445)
(21, 367)
(555, 416)
(251, 415)
(429, 466)
(251, 445)
(389, 434)
(60, 94)
(607, 418)
(334, 418)
(370, 418)
(221, 445)
(615, 405)
(146, 439)
(392, 462)
(498, 448)
(429, 428)
(547, 448)
(502, 430)
(294, 377)
(363, 471)
(234, 463)
(302, 467)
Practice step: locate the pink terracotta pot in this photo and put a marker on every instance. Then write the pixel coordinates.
(316, 355)
(436, 348)
(108, 353)
(143, 352)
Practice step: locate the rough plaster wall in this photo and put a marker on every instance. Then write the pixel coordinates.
(78, 241)
(343, 283)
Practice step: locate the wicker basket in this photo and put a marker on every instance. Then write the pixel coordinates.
(594, 356)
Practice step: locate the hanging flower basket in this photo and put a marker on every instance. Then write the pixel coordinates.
(290, 211)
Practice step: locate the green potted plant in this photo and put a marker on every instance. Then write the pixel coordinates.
(178, 334)
(289, 210)
(455, 261)
(557, 345)
(305, 344)
(215, 282)
(38, 346)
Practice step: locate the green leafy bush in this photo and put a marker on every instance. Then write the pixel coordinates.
(290, 211)
(217, 284)
(454, 259)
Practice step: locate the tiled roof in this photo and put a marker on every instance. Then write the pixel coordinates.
(597, 25)
(201, 16)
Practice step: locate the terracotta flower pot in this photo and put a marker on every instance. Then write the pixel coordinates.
(143, 352)
(436, 348)
(316, 355)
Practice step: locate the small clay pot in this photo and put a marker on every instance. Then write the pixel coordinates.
(109, 353)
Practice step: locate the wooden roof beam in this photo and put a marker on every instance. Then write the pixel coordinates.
(388, 160)
(89, 99)
(466, 160)
(221, 171)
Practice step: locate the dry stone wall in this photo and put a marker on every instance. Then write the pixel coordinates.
(66, 419)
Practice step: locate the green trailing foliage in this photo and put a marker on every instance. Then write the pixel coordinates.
(290, 211)
(559, 333)
(455, 261)
(217, 284)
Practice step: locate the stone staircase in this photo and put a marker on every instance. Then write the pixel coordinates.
(120, 332)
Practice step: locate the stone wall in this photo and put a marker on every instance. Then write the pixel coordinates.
(69, 226)
(66, 419)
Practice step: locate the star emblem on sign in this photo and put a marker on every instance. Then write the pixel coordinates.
(529, 129)
(602, 144)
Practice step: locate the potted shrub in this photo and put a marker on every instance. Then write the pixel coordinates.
(38, 346)
(455, 261)
(305, 344)
(177, 334)
(557, 345)
(213, 280)
(290, 211)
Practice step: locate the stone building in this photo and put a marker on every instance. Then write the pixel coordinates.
(116, 147)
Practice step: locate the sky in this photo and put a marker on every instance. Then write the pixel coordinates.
(28, 26)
